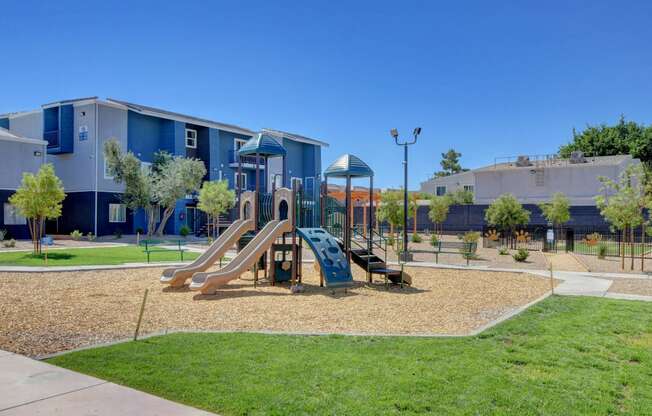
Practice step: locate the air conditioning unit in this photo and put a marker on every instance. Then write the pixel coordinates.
(577, 157)
(523, 161)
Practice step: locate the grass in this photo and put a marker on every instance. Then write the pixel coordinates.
(565, 355)
(90, 256)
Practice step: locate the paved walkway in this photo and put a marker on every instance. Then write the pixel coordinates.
(29, 387)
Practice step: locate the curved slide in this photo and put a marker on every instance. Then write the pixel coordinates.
(208, 283)
(176, 276)
(332, 261)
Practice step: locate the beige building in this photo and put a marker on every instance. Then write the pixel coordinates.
(535, 179)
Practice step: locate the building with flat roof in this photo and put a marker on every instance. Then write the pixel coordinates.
(75, 132)
(532, 180)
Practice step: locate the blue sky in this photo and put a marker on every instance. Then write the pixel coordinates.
(489, 79)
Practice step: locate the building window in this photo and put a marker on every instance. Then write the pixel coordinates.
(12, 217)
(241, 181)
(538, 177)
(83, 133)
(191, 138)
(238, 143)
(468, 188)
(440, 191)
(297, 181)
(117, 213)
(145, 167)
(107, 172)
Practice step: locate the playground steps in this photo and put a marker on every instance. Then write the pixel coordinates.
(370, 262)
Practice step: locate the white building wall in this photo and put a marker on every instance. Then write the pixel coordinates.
(579, 183)
(452, 182)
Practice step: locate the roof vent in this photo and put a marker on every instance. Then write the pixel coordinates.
(523, 161)
(577, 157)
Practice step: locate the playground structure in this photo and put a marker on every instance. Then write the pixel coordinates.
(272, 228)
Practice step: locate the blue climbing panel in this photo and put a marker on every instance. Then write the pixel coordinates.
(334, 265)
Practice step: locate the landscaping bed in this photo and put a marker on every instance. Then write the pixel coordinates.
(563, 356)
(50, 312)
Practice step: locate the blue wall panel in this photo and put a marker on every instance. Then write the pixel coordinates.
(14, 231)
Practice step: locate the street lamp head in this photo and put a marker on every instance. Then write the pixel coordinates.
(394, 133)
(417, 131)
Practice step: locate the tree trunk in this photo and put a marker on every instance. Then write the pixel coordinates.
(167, 213)
(642, 246)
(631, 248)
(622, 248)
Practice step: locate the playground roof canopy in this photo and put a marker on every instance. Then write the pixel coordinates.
(264, 145)
(348, 165)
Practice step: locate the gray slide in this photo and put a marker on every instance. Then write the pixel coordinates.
(176, 276)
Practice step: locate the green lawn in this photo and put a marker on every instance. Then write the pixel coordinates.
(566, 355)
(90, 256)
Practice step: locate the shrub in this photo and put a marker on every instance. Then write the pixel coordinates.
(602, 251)
(521, 255)
(117, 233)
(416, 238)
(76, 235)
(184, 231)
(140, 230)
(434, 240)
(3, 234)
(390, 241)
(91, 237)
(9, 243)
(503, 251)
(471, 237)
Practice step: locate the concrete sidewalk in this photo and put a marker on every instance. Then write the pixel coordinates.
(29, 387)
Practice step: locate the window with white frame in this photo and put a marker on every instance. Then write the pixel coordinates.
(440, 191)
(238, 143)
(145, 167)
(12, 217)
(191, 138)
(241, 181)
(297, 181)
(117, 213)
(107, 171)
(468, 188)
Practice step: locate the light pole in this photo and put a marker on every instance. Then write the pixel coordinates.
(405, 254)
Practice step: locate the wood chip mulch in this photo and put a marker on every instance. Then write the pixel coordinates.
(44, 313)
(632, 286)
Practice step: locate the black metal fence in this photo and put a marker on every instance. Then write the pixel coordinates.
(580, 240)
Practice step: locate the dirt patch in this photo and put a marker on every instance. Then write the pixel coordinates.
(632, 286)
(49, 312)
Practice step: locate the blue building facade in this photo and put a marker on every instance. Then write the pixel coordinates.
(76, 130)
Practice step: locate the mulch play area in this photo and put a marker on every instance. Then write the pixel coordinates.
(44, 313)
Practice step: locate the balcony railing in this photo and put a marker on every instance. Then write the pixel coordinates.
(246, 160)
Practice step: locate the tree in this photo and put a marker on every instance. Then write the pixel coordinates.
(557, 211)
(506, 213)
(215, 199)
(623, 203)
(626, 137)
(438, 212)
(39, 198)
(450, 163)
(177, 177)
(461, 197)
(127, 169)
(391, 210)
(169, 179)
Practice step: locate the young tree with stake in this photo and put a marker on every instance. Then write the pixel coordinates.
(215, 199)
(38, 199)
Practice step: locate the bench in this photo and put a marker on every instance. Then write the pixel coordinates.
(452, 247)
(155, 246)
